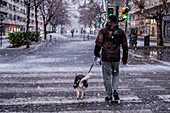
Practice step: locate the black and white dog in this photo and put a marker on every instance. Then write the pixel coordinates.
(80, 82)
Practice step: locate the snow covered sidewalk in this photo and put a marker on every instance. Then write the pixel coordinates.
(54, 36)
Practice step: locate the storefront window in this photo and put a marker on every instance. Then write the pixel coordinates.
(168, 31)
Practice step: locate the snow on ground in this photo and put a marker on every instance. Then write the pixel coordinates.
(30, 64)
(39, 68)
(56, 36)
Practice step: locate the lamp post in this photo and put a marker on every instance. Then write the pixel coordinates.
(1, 18)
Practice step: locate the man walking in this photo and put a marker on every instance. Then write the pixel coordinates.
(109, 40)
(72, 32)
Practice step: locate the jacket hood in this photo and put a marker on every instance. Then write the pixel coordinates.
(112, 25)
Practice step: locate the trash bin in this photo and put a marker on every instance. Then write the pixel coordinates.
(146, 40)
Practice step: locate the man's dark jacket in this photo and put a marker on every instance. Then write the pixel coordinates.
(109, 39)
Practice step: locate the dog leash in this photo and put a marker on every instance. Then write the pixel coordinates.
(92, 64)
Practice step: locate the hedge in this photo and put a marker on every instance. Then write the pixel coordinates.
(19, 38)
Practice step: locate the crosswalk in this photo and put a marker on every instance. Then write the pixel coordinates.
(28, 88)
(56, 88)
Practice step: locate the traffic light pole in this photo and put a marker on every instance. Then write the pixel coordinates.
(117, 11)
(127, 1)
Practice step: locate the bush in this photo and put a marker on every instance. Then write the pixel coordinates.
(19, 38)
(16, 39)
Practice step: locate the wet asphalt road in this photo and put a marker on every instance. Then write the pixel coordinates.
(41, 80)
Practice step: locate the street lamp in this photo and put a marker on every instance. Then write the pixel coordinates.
(1, 18)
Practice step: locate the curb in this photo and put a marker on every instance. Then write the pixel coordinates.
(42, 43)
(152, 40)
(150, 47)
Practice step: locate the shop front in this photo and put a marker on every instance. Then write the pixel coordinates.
(166, 28)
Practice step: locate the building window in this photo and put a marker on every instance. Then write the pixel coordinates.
(32, 22)
(32, 14)
(16, 9)
(10, 7)
(153, 1)
(23, 11)
(3, 4)
(13, 8)
(24, 20)
(8, 17)
(147, 2)
(16, 1)
(14, 17)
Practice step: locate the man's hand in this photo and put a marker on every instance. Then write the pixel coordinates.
(98, 61)
(124, 62)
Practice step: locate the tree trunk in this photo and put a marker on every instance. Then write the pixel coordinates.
(159, 32)
(28, 21)
(36, 21)
(45, 31)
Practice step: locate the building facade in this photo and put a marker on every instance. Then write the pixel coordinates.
(15, 16)
(148, 26)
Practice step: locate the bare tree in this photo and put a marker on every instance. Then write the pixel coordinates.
(157, 13)
(61, 17)
(36, 4)
(90, 14)
(28, 6)
(117, 2)
(48, 9)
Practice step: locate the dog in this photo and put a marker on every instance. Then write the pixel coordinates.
(80, 82)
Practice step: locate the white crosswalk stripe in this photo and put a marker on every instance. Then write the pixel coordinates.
(110, 111)
(60, 100)
(20, 80)
(166, 98)
(53, 89)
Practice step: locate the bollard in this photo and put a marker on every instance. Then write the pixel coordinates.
(88, 36)
(50, 38)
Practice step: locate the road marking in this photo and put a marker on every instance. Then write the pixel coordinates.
(18, 68)
(55, 74)
(166, 98)
(109, 111)
(61, 100)
(143, 79)
(154, 87)
(135, 74)
(50, 81)
(53, 89)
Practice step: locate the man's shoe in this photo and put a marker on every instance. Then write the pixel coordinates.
(116, 97)
(109, 99)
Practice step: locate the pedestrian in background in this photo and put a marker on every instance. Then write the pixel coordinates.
(72, 32)
(108, 42)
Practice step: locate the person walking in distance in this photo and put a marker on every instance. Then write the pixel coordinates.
(72, 32)
(109, 41)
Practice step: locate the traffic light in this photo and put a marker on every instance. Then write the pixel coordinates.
(124, 13)
(110, 11)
